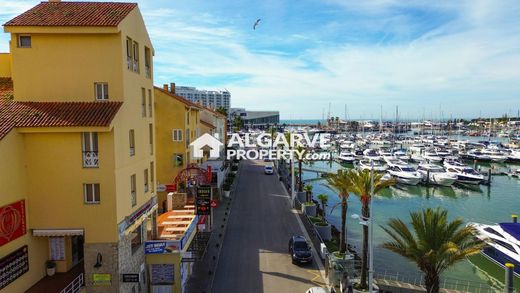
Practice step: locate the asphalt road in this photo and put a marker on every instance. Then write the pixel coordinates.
(254, 256)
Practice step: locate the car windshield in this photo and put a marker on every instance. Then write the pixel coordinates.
(300, 245)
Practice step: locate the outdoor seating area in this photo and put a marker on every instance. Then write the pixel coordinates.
(173, 224)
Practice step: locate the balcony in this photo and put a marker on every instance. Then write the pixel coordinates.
(69, 282)
(90, 159)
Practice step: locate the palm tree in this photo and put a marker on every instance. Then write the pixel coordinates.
(222, 111)
(301, 151)
(323, 199)
(308, 191)
(341, 184)
(435, 244)
(360, 182)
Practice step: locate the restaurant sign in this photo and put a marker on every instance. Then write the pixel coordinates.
(12, 221)
(161, 246)
(203, 200)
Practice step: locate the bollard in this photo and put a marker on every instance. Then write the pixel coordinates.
(508, 288)
(515, 218)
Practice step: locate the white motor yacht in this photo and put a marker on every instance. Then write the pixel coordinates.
(453, 162)
(435, 174)
(466, 175)
(513, 156)
(404, 173)
(346, 157)
(431, 156)
(371, 154)
(503, 243)
(401, 155)
(367, 165)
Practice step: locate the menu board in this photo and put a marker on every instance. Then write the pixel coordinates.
(57, 248)
(203, 200)
(13, 266)
(162, 274)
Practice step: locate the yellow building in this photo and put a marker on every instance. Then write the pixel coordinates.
(177, 124)
(77, 145)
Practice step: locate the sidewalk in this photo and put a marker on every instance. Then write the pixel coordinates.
(203, 273)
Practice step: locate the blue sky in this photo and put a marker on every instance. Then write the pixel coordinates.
(431, 58)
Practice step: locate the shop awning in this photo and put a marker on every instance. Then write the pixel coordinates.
(57, 232)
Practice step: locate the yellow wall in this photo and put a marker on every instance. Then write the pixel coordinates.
(14, 188)
(5, 65)
(56, 177)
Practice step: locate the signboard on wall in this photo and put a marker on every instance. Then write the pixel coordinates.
(12, 221)
(203, 200)
(13, 266)
(130, 278)
(161, 246)
(102, 279)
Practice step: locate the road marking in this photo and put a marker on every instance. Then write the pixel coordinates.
(316, 276)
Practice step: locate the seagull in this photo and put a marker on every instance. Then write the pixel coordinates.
(256, 24)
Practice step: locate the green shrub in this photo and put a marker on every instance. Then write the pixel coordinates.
(331, 245)
(314, 219)
(321, 224)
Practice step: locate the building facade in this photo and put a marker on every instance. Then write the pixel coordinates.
(210, 99)
(77, 132)
(254, 119)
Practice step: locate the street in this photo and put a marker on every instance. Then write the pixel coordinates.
(254, 256)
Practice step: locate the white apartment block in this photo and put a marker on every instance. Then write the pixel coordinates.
(210, 99)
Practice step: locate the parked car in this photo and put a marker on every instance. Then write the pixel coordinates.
(300, 250)
(269, 169)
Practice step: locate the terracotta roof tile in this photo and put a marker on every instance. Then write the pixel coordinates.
(55, 114)
(6, 87)
(73, 14)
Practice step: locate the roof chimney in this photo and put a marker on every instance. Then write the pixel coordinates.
(172, 88)
(165, 87)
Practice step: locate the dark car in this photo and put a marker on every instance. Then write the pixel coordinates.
(300, 250)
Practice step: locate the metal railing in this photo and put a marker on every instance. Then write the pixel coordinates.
(445, 283)
(90, 159)
(75, 285)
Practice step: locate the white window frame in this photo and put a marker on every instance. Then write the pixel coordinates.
(90, 149)
(96, 195)
(129, 53)
(103, 95)
(177, 135)
(20, 41)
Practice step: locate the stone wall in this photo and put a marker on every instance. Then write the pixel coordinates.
(131, 263)
(109, 265)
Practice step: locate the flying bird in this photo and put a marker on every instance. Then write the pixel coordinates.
(256, 24)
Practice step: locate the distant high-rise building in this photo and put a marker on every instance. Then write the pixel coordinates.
(211, 99)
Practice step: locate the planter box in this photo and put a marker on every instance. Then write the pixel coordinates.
(309, 210)
(227, 193)
(301, 196)
(324, 231)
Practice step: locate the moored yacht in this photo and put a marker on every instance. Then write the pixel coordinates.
(371, 154)
(346, 157)
(431, 156)
(404, 173)
(368, 164)
(435, 174)
(466, 175)
(503, 243)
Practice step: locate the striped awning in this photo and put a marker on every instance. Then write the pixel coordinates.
(57, 232)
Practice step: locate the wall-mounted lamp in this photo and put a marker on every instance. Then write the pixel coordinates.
(99, 260)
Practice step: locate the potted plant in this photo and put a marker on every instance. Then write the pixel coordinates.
(50, 267)
(324, 229)
(309, 208)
